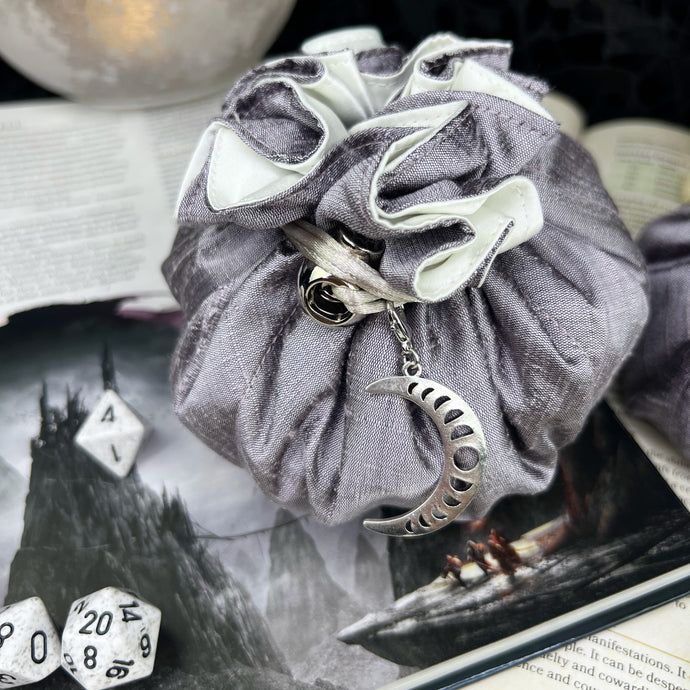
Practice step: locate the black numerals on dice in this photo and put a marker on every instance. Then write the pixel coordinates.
(127, 614)
(39, 647)
(90, 653)
(6, 630)
(119, 668)
(70, 663)
(7, 678)
(103, 622)
(80, 606)
(145, 645)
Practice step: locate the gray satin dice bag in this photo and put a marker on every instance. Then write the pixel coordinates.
(523, 292)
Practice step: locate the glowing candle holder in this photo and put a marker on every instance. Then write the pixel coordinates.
(137, 53)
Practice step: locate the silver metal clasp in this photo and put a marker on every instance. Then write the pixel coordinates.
(315, 285)
(398, 323)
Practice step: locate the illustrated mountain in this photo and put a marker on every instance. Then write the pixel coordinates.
(11, 486)
(307, 607)
(85, 529)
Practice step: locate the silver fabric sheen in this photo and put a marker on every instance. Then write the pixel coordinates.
(531, 350)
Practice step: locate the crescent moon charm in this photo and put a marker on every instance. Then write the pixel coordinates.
(462, 436)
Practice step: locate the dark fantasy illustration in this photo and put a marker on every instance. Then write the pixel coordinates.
(85, 529)
(516, 572)
(314, 606)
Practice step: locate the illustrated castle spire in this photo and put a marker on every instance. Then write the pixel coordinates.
(85, 529)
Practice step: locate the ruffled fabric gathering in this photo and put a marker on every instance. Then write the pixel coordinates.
(421, 151)
(656, 380)
(524, 290)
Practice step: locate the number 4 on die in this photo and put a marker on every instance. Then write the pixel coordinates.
(112, 434)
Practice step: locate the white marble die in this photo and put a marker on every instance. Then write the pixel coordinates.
(110, 638)
(112, 434)
(29, 643)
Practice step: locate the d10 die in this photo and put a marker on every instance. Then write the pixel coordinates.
(29, 643)
(112, 434)
(110, 638)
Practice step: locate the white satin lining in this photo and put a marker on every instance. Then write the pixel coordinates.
(344, 101)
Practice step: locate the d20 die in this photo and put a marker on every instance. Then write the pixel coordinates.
(112, 434)
(29, 643)
(110, 638)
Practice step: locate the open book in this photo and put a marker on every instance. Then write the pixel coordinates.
(644, 164)
(87, 199)
(235, 575)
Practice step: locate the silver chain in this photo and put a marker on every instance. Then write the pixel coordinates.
(398, 323)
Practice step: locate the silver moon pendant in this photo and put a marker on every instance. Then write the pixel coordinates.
(464, 449)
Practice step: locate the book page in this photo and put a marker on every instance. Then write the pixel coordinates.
(644, 165)
(87, 199)
(650, 651)
(566, 112)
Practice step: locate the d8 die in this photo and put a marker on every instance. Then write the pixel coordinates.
(110, 638)
(112, 434)
(29, 643)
